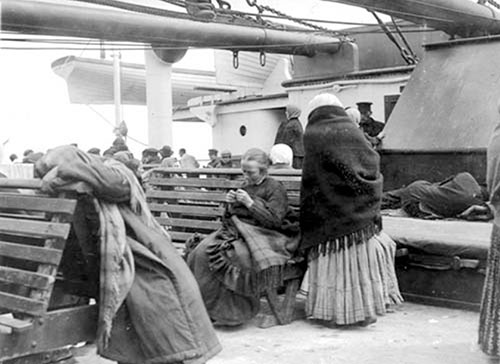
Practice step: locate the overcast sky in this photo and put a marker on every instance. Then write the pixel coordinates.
(35, 111)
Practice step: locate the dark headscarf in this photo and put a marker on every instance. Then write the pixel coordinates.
(341, 181)
(290, 132)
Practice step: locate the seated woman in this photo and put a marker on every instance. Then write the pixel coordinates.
(233, 264)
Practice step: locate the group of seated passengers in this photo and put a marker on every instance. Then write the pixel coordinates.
(339, 226)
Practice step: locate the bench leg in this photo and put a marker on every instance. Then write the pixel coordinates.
(289, 303)
(282, 313)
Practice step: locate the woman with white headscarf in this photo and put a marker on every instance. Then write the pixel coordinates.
(351, 274)
(353, 114)
(355, 117)
(281, 156)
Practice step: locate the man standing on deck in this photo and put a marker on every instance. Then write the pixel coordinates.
(369, 125)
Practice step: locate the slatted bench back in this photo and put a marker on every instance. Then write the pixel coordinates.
(33, 231)
(190, 201)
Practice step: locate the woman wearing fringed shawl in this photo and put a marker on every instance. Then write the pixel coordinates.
(489, 318)
(234, 264)
(351, 277)
(150, 307)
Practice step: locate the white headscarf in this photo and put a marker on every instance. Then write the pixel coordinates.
(323, 100)
(354, 115)
(281, 154)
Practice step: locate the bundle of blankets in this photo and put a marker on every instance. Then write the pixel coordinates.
(150, 307)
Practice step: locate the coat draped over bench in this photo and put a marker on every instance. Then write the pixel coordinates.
(150, 306)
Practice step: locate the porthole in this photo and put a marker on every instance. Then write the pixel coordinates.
(243, 130)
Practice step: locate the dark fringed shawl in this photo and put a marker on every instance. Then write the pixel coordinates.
(343, 242)
(248, 258)
(341, 183)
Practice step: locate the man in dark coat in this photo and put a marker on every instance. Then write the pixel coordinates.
(369, 125)
(291, 132)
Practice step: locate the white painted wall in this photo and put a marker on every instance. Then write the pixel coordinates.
(263, 118)
(261, 130)
(349, 95)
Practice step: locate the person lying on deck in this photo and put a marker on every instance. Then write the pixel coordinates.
(247, 254)
(445, 199)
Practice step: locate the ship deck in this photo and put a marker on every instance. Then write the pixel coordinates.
(413, 334)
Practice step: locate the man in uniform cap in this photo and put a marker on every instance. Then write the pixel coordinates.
(369, 125)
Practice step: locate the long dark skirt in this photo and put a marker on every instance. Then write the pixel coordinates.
(489, 319)
(226, 305)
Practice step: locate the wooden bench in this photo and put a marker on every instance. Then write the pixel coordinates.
(195, 205)
(189, 202)
(33, 231)
(445, 262)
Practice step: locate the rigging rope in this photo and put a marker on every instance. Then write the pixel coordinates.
(262, 8)
(412, 54)
(403, 51)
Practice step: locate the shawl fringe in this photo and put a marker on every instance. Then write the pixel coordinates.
(341, 174)
(242, 281)
(340, 243)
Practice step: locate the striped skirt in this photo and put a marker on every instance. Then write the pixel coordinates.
(354, 284)
(489, 318)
